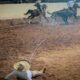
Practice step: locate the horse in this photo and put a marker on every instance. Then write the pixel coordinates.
(35, 13)
(65, 13)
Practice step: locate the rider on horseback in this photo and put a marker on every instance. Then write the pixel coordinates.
(41, 9)
(71, 4)
(38, 5)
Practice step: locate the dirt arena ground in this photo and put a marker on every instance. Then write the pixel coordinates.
(59, 51)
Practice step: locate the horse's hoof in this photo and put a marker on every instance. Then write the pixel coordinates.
(29, 22)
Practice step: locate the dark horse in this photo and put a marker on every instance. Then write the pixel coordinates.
(35, 13)
(65, 13)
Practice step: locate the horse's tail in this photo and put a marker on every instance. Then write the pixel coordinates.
(28, 12)
(25, 13)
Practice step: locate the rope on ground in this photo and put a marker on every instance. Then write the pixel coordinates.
(34, 52)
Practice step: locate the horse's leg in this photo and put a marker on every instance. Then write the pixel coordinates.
(29, 18)
(46, 18)
(29, 21)
(40, 18)
(74, 17)
(65, 19)
(44, 15)
(55, 17)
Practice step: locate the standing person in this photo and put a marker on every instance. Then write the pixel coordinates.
(22, 71)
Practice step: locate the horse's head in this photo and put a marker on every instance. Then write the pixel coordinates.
(28, 12)
(75, 6)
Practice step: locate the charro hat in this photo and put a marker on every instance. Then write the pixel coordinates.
(24, 63)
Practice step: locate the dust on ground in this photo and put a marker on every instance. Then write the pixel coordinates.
(60, 52)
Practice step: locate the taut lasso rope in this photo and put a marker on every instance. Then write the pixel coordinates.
(34, 52)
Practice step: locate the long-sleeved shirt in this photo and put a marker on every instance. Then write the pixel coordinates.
(70, 3)
(27, 75)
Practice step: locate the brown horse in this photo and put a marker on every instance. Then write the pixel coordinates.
(36, 13)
